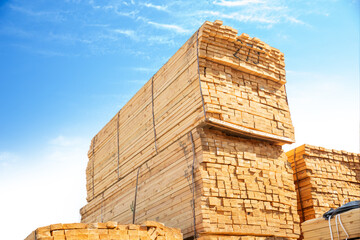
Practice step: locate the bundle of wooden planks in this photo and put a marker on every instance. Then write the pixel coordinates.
(172, 143)
(320, 228)
(324, 179)
(149, 230)
(247, 188)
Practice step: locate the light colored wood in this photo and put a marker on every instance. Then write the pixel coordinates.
(326, 178)
(319, 228)
(242, 185)
(149, 230)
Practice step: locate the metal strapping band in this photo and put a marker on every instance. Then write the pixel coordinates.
(102, 210)
(198, 65)
(287, 102)
(127, 174)
(153, 115)
(136, 189)
(93, 168)
(298, 186)
(193, 182)
(118, 146)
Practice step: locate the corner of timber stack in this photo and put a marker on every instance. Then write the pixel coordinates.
(324, 179)
(200, 144)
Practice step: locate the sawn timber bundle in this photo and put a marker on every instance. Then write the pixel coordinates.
(324, 179)
(203, 136)
(149, 230)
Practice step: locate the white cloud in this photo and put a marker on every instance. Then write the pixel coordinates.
(50, 16)
(161, 40)
(7, 159)
(236, 3)
(129, 33)
(266, 13)
(142, 82)
(172, 27)
(251, 17)
(62, 141)
(144, 69)
(157, 7)
(294, 20)
(44, 188)
(131, 14)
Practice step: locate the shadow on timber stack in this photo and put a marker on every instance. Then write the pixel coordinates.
(201, 143)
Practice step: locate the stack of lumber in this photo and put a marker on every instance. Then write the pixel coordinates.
(247, 188)
(106, 231)
(319, 228)
(324, 179)
(217, 81)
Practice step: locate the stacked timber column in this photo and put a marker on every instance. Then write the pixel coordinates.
(216, 104)
(247, 188)
(149, 230)
(169, 104)
(324, 179)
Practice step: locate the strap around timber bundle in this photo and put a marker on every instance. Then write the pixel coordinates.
(193, 182)
(198, 66)
(298, 186)
(153, 114)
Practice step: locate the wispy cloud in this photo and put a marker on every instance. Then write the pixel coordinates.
(236, 3)
(64, 141)
(118, 8)
(157, 7)
(294, 20)
(6, 159)
(128, 33)
(48, 15)
(260, 18)
(171, 27)
(131, 14)
(144, 69)
(161, 40)
(137, 81)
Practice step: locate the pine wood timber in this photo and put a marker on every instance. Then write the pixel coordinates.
(236, 153)
(247, 132)
(148, 125)
(150, 136)
(149, 230)
(326, 178)
(242, 185)
(319, 228)
(156, 182)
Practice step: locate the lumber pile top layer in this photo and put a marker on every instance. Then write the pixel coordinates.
(324, 179)
(319, 229)
(149, 230)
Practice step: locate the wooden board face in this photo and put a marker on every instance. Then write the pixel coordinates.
(243, 81)
(247, 187)
(149, 230)
(324, 179)
(320, 228)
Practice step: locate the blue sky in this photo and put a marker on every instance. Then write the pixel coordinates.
(66, 67)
